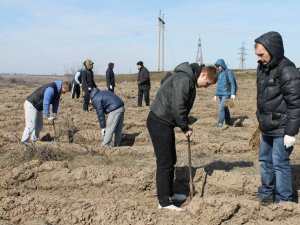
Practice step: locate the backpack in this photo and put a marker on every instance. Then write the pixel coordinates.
(228, 84)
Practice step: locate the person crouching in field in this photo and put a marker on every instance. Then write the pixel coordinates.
(108, 102)
(170, 109)
(38, 103)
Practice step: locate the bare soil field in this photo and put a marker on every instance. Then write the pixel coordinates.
(71, 179)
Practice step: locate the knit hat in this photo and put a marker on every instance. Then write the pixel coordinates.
(140, 63)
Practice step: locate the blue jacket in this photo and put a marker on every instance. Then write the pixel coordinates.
(222, 83)
(105, 102)
(48, 99)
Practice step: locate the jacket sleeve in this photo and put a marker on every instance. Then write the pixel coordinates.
(290, 79)
(108, 83)
(180, 99)
(84, 81)
(231, 80)
(48, 95)
(100, 113)
(77, 76)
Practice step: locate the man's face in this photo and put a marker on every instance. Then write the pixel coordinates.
(262, 54)
(219, 68)
(203, 81)
(138, 67)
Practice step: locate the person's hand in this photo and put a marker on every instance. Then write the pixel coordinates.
(289, 141)
(215, 98)
(103, 132)
(189, 132)
(89, 88)
(110, 87)
(232, 97)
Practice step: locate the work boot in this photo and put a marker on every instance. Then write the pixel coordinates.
(178, 198)
(263, 201)
(170, 207)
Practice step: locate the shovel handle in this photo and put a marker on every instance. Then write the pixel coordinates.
(192, 191)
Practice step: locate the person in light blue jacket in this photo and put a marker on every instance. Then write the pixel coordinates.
(226, 89)
(37, 106)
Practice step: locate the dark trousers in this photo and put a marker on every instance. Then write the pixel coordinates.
(163, 140)
(86, 101)
(144, 93)
(75, 90)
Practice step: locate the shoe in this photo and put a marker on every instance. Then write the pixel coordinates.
(178, 198)
(220, 125)
(263, 201)
(170, 207)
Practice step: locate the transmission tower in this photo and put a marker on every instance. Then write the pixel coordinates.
(199, 58)
(242, 58)
(161, 37)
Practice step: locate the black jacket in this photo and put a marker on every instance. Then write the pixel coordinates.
(110, 75)
(105, 102)
(278, 90)
(175, 97)
(143, 79)
(88, 81)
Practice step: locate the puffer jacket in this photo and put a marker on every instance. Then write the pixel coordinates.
(175, 97)
(222, 82)
(278, 90)
(105, 102)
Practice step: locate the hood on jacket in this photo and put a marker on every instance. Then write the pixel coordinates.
(186, 68)
(111, 65)
(221, 62)
(94, 92)
(272, 41)
(58, 85)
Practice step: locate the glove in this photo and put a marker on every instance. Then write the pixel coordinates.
(51, 118)
(103, 132)
(289, 141)
(215, 98)
(89, 88)
(232, 97)
(110, 87)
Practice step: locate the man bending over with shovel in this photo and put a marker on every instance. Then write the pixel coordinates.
(38, 104)
(170, 108)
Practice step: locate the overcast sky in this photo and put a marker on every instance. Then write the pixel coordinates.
(54, 36)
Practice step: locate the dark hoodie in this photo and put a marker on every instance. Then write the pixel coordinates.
(175, 98)
(278, 90)
(110, 75)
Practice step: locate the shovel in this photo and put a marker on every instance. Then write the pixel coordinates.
(55, 137)
(192, 187)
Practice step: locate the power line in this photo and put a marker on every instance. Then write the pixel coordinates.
(161, 37)
(199, 57)
(242, 57)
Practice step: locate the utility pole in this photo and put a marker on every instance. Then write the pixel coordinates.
(199, 58)
(163, 42)
(161, 30)
(242, 58)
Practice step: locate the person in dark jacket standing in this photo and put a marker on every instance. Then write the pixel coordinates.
(223, 92)
(107, 102)
(110, 77)
(38, 103)
(170, 109)
(88, 83)
(143, 81)
(278, 114)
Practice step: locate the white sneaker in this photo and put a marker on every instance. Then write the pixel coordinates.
(170, 207)
(178, 198)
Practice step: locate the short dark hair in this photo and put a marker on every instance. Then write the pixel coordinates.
(140, 63)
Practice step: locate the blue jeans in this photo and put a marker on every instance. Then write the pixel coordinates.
(224, 113)
(275, 170)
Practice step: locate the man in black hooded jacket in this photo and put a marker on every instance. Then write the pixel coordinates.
(110, 77)
(170, 109)
(278, 114)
